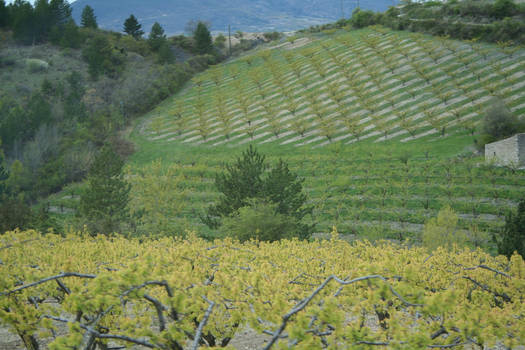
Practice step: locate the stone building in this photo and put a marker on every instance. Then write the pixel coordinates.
(509, 151)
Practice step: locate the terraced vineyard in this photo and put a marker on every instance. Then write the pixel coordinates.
(372, 84)
(397, 113)
(388, 190)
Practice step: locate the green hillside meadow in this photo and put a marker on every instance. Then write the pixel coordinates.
(380, 124)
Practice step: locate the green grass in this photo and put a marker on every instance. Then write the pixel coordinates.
(357, 185)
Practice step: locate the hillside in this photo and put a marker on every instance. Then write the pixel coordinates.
(248, 16)
(380, 124)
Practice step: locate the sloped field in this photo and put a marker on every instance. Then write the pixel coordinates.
(373, 84)
(396, 113)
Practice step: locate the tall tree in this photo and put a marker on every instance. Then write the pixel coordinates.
(104, 204)
(23, 21)
(4, 14)
(43, 19)
(202, 36)
(14, 213)
(156, 37)
(61, 11)
(88, 18)
(512, 238)
(133, 27)
(247, 181)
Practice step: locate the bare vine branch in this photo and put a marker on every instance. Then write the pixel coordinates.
(487, 268)
(504, 296)
(150, 283)
(203, 322)
(303, 303)
(160, 311)
(62, 275)
(105, 336)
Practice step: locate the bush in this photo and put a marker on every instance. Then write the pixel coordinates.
(442, 231)
(101, 57)
(201, 62)
(220, 41)
(36, 66)
(272, 36)
(128, 43)
(184, 42)
(512, 238)
(14, 213)
(362, 18)
(499, 123)
(504, 8)
(259, 220)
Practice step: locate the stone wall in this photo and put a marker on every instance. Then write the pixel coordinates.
(507, 151)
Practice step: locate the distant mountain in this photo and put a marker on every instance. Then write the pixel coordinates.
(244, 15)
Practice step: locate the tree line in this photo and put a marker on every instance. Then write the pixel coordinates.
(490, 21)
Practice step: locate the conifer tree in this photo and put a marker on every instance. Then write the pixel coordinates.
(156, 37)
(61, 12)
(512, 238)
(133, 27)
(4, 14)
(202, 38)
(88, 18)
(247, 181)
(104, 204)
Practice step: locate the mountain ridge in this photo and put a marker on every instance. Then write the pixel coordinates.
(244, 15)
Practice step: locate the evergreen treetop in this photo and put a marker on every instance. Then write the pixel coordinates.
(202, 36)
(156, 37)
(4, 14)
(88, 18)
(133, 27)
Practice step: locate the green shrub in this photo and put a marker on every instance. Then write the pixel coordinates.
(220, 41)
(362, 18)
(102, 58)
(272, 36)
(259, 220)
(443, 231)
(512, 238)
(499, 123)
(504, 8)
(36, 66)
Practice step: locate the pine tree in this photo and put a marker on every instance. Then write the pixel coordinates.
(247, 182)
(202, 36)
(88, 18)
(104, 204)
(61, 12)
(4, 14)
(23, 21)
(512, 238)
(132, 27)
(14, 212)
(156, 37)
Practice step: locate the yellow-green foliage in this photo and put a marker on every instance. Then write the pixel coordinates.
(157, 196)
(443, 231)
(471, 295)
